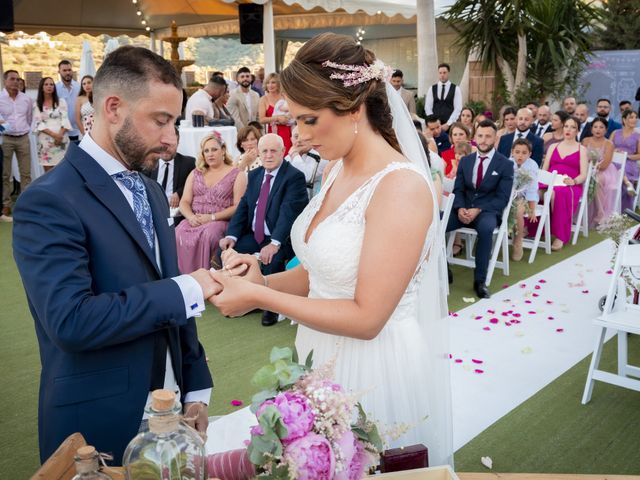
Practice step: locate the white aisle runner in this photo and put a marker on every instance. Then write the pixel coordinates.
(510, 346)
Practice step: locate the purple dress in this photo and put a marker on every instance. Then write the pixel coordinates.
(631, 169)
(566, 199)
(197, 244)
(605, 199)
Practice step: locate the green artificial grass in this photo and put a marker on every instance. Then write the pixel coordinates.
(238, 347)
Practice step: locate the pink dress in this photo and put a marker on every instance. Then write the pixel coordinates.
(631, 168)
(197, 244)
(566, 198)
(605, 199)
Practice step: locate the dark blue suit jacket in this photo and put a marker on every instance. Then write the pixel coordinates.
(99, 300)
(612, 127)
(495, 189)
(537, 153)
(287, 198)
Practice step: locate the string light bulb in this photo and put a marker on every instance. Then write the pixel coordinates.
(143, 22)
(138, 13)
(148, 29)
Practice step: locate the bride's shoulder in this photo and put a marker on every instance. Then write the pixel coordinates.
(403, 180)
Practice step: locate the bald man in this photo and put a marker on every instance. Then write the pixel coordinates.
(543, 124)
(582, 114)
(524, 121)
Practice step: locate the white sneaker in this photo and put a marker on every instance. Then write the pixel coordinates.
(6, 218)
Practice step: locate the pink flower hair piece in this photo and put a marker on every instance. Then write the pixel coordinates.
(358, 74)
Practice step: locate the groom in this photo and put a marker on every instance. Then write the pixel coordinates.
(482, 189)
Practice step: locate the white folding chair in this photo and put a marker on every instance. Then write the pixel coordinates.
(619, 159)
(582, 218)
(636, 200)
(501, 242)
(446, 204)
(544, 218)
(624, 319)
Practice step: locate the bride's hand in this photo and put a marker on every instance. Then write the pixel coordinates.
(238, 264)
(237, 296)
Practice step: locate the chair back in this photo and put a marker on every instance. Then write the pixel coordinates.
(548, 178)
(620, 160)
(446, 204)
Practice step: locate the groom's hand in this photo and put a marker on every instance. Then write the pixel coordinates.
(196, 416)
(208, 285)
(239, 264)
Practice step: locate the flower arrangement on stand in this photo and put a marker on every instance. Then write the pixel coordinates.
(308, 427)
(594, 158)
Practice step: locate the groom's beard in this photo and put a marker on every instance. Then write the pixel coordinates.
(135, 152)
(487, 150)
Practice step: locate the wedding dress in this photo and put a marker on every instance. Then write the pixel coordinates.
(390, 372)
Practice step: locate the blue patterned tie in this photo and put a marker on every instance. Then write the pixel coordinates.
(133, 183)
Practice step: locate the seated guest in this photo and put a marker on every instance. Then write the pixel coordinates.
(276, 194)
(467, 117)
(543, 121)
(627, 140)
(569, 159)
(524, 120)
(458, 133)
(533, 108)
(526, 199)
(600, 148)
(582, 114)
(211, 195)
(508, 123)
(554, 135)
(248, 146)
(603, 109)
(482, 189)
(171, 173)
(437, 133)
(308, 161)
(220, 111)
(202, 100)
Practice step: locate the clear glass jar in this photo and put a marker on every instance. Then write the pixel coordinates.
(88, 465)
(170, 449)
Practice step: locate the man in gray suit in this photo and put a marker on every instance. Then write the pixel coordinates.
(407, 96)
(243, 102)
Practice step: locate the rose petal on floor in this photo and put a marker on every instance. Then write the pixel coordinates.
(236, 403)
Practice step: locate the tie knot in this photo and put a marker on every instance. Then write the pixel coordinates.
(483, 158)
(268, 176)
(131, 180)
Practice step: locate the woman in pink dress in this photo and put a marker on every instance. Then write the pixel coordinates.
(568, 158)
(627, 140)
(211, 195)
(600, 149)
(275, 121)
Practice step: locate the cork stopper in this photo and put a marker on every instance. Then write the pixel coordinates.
(86, 453)
(163, 400)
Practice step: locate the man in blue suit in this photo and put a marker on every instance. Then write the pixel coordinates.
(524, 121)
(603, 109)
(276, 194)
(482, 189)
(96, 251)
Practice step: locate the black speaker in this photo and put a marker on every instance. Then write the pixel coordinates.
(6, 16)
(250, 22)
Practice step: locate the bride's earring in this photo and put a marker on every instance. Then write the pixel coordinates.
(355, 128)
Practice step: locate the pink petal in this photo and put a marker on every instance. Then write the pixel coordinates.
(609, 272)
(506, 285)
(523, 285)
(236, 403)
(487, 328)
(505, 314)
(585, 291)
(550, 318)
(559, 330)
(508, 324)
(458, 360)
(478, 317)
(535, 294)
(491, 311)
(527, 301)
(549, 302)
(517, 315)
(537, 287)
(515, 321)
(542, 281)
(477, 370)
(494, 320)
(450, 356)
(475, 360)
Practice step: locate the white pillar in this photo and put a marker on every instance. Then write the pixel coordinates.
(269, 39)
(161, 53)
(427, 46)
(152, 42)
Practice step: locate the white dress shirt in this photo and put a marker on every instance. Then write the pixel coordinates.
(162, 167)
(519, 134)
(70, 95)
(485, 164)
(191, 292)
(247, 101)
(457, 101)
(200, 100)
(307, 165)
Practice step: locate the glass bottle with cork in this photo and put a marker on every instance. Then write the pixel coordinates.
(88, 465)
(170, 449)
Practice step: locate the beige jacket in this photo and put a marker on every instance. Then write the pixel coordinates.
(238, 107)
(409, 100)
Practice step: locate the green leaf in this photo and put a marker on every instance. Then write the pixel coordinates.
(281, 354)
(265, 378)
(260, 397)
(309, 360)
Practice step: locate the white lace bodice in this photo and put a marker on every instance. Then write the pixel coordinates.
(332, 254)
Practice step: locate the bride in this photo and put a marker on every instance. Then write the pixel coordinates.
(367, 291)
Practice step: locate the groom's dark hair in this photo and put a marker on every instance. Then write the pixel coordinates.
(487, 123)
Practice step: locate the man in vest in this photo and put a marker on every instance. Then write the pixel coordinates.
(444, 99)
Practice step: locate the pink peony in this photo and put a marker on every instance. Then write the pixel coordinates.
(296, 414)
(354, 458)
(310, 458)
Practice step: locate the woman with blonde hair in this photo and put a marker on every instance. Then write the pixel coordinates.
(211, 195)
(274, 111)
(368, 294)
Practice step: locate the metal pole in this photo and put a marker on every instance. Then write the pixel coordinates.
(269, 40)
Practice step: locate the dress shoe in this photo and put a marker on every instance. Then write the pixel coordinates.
(557, 245)
(481, 290)
(269, 318)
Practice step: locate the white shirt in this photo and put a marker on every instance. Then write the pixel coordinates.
(519, 134)
(541, 129)
(191, 292)
(70, 95)
(485, 164)
(200, 100)
(457, 101)
(162, 167)
(247, 101)
(307, 164)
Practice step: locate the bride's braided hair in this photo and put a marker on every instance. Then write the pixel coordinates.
(306, 82)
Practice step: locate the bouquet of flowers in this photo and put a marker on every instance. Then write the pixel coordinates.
(521, 179)
(594, 157)
(306, 428)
